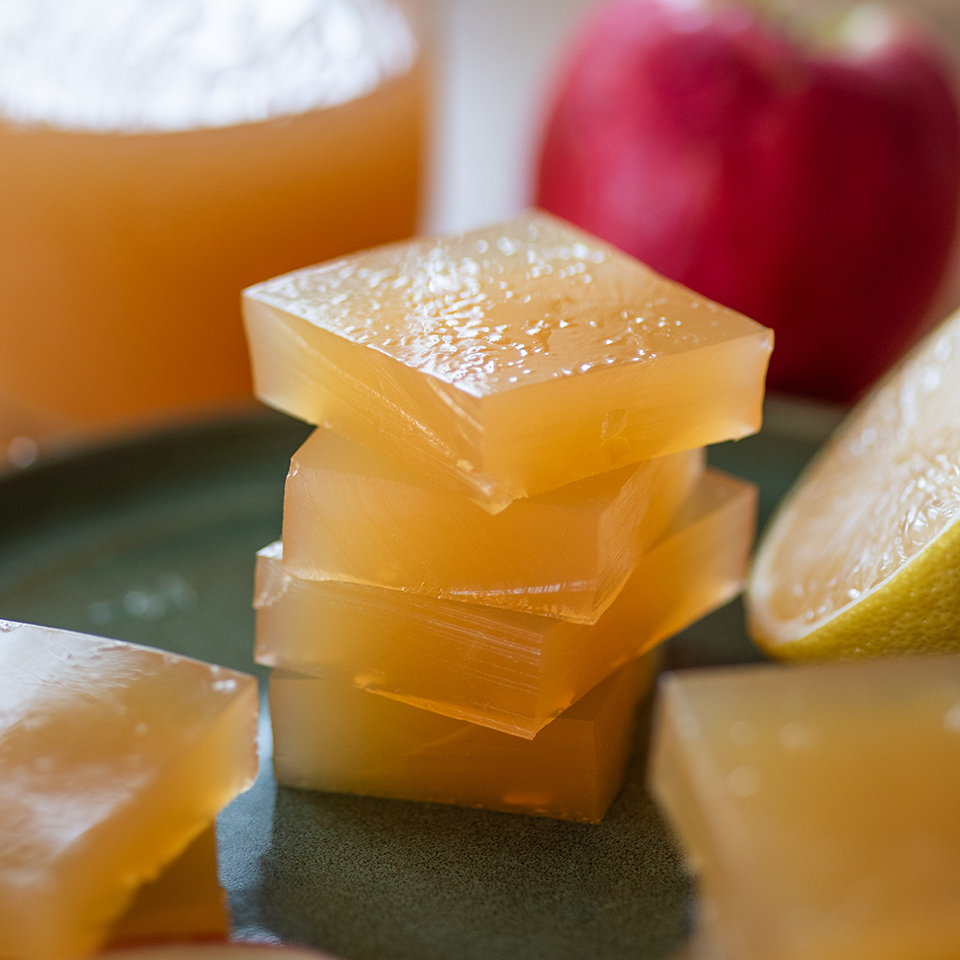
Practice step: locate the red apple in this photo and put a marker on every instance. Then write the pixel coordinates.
(814, 190)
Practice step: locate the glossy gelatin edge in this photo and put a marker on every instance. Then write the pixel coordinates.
(351, 515)
(332, 736)
(818, 805)
(507, 361)
(113, 758)
(184, 903)
(503, 669)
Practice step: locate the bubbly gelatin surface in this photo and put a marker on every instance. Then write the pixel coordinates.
(504, 669)
(113, 758)
(524, 302)
(349, 514)
(506, 361)
(819, 805)
(332, 736)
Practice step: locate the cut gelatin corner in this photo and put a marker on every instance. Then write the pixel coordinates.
(184, 903)
(817, 806)
(115, 760)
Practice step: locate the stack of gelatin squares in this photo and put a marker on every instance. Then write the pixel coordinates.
(504, 509)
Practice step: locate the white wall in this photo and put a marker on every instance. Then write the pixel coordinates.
(493, 62)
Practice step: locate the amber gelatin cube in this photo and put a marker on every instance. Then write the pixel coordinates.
(333, 736)
(503, 669)
(184, 903)
(351, 514)
(113, 758)
(819, 805)
(507, 361)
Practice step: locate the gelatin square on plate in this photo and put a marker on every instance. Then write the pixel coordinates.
(507, 361)
(819, 806)
(184, 903)
(332, 736)
(504, 669)
(351, 514)
(113, 758)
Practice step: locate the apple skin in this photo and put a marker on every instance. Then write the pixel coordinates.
(816, 192)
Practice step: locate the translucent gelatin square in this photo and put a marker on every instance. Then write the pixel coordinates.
(332, 736)
(351, 514)
(507, 361)
(819, 806)
(184, 903)
(113, 758)
(504, 669)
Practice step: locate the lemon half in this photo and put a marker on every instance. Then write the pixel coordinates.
(863, 555)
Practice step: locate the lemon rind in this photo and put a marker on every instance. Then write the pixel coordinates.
(915, 610)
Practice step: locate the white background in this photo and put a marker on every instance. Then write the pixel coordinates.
(492, 60)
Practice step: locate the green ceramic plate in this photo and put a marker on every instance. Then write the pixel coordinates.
(153, 541)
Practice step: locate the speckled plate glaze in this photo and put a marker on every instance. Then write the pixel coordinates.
(153, 539)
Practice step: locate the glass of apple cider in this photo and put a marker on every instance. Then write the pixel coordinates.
(157, 156)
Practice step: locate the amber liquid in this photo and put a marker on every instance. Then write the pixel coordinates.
(122, 256)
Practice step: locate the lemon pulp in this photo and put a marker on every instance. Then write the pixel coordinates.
(864, 554)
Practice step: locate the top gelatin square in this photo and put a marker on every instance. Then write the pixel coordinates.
(507, 361)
